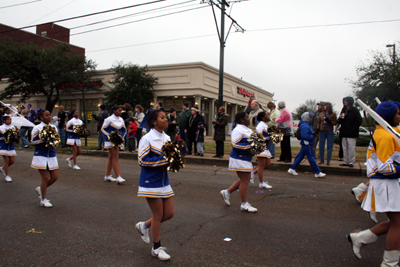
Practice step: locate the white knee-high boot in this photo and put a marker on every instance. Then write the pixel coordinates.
(390, 258)
(361, 238)
(359, 192)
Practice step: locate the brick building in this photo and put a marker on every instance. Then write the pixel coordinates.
(46, 35)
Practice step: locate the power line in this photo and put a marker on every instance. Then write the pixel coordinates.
(44, 40)
(88, 15)
(153, 10)
(20, 4)
(149, 43)
(207, 35)
(121, 24)
(53, 11)
(131, 15)
(325, 25)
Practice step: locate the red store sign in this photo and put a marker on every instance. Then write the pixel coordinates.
(84, 84)
(244, 92)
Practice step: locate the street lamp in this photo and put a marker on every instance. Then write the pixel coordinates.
(394, 51)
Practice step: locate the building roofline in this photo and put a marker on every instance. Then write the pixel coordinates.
(201, 65)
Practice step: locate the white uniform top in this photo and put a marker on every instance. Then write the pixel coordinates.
(154, 182)
(73, 138)
(240, 157)
(262, 128)
(110, 124)
(44, 157)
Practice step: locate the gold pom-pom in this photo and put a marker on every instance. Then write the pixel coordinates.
(275, 135)
(49, 136)
(11, 136)
(257, 143)
(174, 153)
(116, 139)
(79, 130)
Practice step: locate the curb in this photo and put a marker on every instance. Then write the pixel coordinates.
(357, 170)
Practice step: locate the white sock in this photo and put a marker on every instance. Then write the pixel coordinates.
(144, 225)
(244, 203)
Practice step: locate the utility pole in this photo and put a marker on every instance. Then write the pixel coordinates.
(222, 41)
(394, 52)
(84, 111)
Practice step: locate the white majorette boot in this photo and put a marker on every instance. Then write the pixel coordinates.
(390, 258)
(372, 216)
(361, 238)
(359, 192)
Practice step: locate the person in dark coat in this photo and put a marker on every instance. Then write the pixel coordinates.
(173, 121)
(200, 139)
(219, 132)
(191, 129)
(103, 114)
(350, 121)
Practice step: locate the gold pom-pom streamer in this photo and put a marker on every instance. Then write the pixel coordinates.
(116, 139)
(174, 153)
(257, 143)
(79, 130)
(275, 135)
(49, 136)
(11, 136)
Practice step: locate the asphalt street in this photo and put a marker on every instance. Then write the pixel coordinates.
(302, 221)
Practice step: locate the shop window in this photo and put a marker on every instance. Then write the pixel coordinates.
(68, 104)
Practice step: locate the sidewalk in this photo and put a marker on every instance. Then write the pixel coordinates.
(359, 169)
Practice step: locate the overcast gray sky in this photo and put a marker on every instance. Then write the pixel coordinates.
(278, 52)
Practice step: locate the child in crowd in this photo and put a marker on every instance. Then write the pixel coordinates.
(200, 138)
(6, 150)
(44, 159)
(132, 128)
(307, 141)
(74, 140)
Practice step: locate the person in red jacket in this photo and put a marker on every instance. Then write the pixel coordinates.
(132, 128)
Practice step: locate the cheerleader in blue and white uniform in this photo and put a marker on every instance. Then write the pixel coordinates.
(44, 159)
(154, 184)
(240, 161)
(264, 159)
(113, 123)
(6, 150)
(74, 140)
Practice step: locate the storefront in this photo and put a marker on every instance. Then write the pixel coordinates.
(192, 83)
(197, 84)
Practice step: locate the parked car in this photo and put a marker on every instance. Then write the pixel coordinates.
(361, 131)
